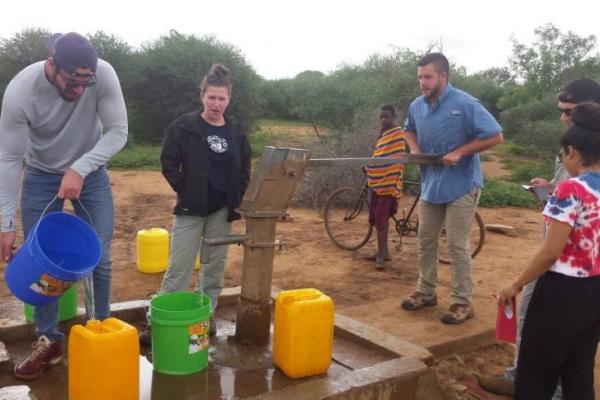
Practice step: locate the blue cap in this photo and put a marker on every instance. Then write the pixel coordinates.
(71, 51)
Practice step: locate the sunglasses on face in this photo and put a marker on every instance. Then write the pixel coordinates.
(77, 79)
(566, 111)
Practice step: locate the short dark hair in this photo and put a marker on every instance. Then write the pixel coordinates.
(217, 75)
(580, 90)
(584, 134)
(438, 60)
(390, 108)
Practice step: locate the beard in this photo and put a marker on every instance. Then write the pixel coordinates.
(67, 95)
(435, 91)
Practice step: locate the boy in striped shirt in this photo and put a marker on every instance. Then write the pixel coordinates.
(385, 182)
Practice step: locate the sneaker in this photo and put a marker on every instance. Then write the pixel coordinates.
(212, 327)
(497, 384)
(418, 300)
(458, 313)
(45, 353)
(146, 336)
(379, 265)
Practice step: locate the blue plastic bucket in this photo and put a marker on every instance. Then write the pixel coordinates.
(59, 250)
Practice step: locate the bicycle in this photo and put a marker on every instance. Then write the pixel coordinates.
(346, 217)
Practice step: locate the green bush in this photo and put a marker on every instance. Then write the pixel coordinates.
(498, 193)
(526, 162)
(260, 139)
(510, 149)
(137, 157)
(523, 170)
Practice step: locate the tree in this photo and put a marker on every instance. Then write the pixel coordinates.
(542, 64)
(167, 79)
(112, 49)
(487, 86)
(24, 48)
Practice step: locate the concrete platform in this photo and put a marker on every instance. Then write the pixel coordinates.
(367, 363)
(424, 329)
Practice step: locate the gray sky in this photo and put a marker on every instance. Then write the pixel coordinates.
(284, 37)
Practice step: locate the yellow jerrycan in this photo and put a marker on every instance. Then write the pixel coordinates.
(152, 250)
(303, 332)
(103, 361)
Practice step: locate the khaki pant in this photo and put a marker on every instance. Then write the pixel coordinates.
(186, 243)
(457, 217)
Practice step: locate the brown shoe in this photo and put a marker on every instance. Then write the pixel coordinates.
(458, 313)
(418, 300)
(45, 353)
(497, 384)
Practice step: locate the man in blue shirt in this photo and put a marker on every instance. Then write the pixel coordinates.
(453, 124)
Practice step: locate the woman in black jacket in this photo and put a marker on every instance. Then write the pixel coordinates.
(206, 159)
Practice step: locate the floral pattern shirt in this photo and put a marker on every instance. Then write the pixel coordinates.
(576, 202)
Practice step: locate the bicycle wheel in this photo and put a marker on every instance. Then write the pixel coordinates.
(346, 216)
(476, 239)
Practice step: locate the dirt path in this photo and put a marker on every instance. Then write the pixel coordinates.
(492, 165)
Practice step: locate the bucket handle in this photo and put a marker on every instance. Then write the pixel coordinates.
(46, 209)
(37, 224)
(88, 281)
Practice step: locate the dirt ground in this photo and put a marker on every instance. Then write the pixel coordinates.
(309, 259)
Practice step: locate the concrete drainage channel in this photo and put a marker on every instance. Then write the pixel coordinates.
(367, 364)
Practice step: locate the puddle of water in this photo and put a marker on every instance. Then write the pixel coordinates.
(234, 371)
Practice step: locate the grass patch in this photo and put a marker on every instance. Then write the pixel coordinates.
(283, 122)
(524, 163)
(270, 133)
(511, 149)
(137, 157)
(262, 138)
(274, 132)
(521, 171)
(498, 193)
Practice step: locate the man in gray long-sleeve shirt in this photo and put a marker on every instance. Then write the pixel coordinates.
(66, 117)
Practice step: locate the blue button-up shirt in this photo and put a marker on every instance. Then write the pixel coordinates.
(456, 119)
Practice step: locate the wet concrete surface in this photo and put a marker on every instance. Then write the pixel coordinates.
(235, 370)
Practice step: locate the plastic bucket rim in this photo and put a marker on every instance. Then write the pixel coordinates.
(178, 315)
(80, 220)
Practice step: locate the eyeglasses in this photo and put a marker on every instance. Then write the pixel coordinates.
(566, 111)
(77, 79)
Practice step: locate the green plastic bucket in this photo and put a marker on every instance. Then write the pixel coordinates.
(180, 326)
(67, 306)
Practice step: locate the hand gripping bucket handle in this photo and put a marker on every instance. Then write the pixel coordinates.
(59, 250)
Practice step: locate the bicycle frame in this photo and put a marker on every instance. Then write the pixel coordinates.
(406, 218)
(359, 204)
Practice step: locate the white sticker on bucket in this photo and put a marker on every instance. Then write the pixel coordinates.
(47, 285)
(198, 337)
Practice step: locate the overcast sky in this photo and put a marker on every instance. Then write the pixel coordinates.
(281, 38)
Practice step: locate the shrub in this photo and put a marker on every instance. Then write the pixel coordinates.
(498, 193)
(137, 157)
(356, 141)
